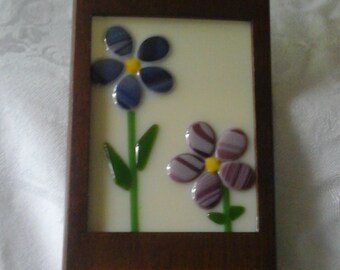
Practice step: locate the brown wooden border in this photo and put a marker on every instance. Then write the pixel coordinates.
(87, 250)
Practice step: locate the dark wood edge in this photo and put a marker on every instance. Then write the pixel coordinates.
(79, 138)
(264, 133)
(215, 9)
(86, 250)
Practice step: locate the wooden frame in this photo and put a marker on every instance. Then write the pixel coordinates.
(88, 250)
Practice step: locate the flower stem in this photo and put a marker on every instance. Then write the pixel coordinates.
(226, 210)
(131, 118)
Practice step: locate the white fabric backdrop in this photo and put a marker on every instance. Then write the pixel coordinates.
(34, 77)
(306, 95)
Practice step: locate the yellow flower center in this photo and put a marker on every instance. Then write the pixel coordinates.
(212, 164)
(132, 65)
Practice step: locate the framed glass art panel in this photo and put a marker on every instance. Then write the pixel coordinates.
(170, 140)
(211, 68)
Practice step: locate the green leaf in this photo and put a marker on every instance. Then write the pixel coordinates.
(120, 170)
(218, 218)
(144, 146)
(236, 212)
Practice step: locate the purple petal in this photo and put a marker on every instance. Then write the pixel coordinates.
(237, 175)
(201, 138)
(231, 145)
(207, 190)
(185, 167)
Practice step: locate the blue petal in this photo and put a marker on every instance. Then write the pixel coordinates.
(105, 71)
(156, 79)
(153, 48)
(118, 40)
(128, 92)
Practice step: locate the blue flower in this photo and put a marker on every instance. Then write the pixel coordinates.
(136, 69)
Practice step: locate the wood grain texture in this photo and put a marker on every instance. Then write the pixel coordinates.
(245, 251)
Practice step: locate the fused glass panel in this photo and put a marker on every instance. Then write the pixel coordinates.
(174, 103)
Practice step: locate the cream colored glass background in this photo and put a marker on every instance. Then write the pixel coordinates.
(211, 62)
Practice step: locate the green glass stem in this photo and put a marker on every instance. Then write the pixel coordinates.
(131, 118)
(226, 210)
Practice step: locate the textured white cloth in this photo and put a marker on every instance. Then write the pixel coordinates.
(35, 40)
(34, 76)
(306, 95)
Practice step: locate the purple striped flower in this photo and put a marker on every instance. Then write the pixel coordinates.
(213, 164)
